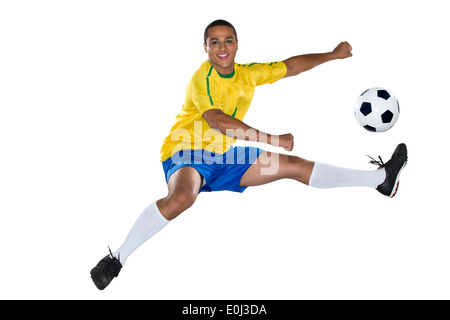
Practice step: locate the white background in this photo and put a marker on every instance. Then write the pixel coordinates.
(89, 89)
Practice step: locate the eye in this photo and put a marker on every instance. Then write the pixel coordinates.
(214, 43)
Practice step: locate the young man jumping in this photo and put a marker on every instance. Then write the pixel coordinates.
(198, 154)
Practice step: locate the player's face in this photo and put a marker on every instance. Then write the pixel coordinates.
(221, 47)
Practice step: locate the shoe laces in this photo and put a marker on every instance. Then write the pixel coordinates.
(379, 163)
(112, 257)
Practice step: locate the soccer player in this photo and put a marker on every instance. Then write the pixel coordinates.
(198, 156)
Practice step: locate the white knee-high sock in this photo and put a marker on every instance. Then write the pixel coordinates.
(149, 222)
(326, 176)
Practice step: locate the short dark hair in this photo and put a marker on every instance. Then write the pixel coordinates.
(217, 23)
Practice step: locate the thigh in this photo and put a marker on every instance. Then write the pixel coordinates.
(184, 185)
(271, 166)
(186, 179)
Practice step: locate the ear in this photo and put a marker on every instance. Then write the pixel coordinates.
(205, 47)
(237, 45)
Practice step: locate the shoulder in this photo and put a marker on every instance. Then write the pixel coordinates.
(256, 66)
(262, 73)
(257, 69)
(205, 70)
(204, 76)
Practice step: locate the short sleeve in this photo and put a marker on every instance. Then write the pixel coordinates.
(205, 94)
(268, 72)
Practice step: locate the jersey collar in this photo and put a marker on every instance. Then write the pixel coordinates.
(227, 76)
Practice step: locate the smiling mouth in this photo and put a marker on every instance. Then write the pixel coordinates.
(223, 56)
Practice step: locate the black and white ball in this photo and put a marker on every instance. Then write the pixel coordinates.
(377, 109)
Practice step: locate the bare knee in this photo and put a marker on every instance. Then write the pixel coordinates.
(176, 203)
(183, 199)
(299, 169)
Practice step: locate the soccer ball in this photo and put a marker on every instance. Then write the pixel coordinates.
(377, 110)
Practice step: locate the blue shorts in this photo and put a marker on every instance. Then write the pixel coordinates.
(220, 171)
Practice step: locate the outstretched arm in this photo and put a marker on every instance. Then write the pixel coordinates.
(302, 63)
(235, 128)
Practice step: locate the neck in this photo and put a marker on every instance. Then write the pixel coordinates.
(223, 71)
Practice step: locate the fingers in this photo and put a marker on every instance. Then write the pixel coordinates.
(287, 141)
(288, 148)
(343, 50)
(349, 48)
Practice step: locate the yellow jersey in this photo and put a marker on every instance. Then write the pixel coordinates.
(208, 89)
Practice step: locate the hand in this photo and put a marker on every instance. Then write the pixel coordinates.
(343, 50)
(285, 141)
